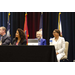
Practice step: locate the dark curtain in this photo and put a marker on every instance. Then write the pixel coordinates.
(33, 23)
(53, 23)
(46, 21)
(68, 29)
(3, 18)
(17, 21)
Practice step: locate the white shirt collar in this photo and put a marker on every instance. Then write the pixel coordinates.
(3, 35)
(58, 38)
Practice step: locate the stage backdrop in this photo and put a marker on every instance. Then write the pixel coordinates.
(33, 23)
(46, 24)
(33, 19)
(16, 21)
(68, 28)
(50, 22)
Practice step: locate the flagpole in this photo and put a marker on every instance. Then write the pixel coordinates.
(26, 28)
(8, 27)
(26, 13)
(59, 20)
(41, 12)
(28, 34)
(59, 23)
(59, 16)
(42, 26)
(8, 15)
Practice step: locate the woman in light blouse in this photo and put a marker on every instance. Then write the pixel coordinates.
(59, 43)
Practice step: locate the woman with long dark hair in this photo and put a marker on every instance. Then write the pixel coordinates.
(20, 38)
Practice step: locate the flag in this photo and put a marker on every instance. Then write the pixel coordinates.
(59, 23)
(41, 23)
(26, 28)
(0, 37)
(8, 26)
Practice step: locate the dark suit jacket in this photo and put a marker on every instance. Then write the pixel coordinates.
(6, 40)
(23, 43)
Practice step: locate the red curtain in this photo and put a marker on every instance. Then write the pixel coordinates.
(33, 23)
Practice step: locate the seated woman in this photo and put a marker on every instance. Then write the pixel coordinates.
(59, 43)
(20, 38)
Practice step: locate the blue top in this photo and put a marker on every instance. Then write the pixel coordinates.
(39, 42)
(0, 37)
(42, 42)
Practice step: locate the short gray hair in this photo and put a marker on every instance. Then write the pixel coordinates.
(39, 32)
(3, 28)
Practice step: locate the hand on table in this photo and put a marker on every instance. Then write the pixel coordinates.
(57, 53)
(0, 43)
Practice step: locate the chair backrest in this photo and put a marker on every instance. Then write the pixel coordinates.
(10, 44)
(66, 47)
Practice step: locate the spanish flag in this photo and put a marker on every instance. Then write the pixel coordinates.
(59, 23)
(26, 28)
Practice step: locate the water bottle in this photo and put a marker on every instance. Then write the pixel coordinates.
(51, 41)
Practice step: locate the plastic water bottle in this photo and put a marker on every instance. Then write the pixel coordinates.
(51, 41)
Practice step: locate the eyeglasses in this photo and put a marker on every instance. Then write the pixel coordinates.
(54, 32)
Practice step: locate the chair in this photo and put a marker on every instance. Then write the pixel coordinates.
(10, 44)
(65, 51)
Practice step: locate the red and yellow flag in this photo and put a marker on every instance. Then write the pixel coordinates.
(26, 28)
